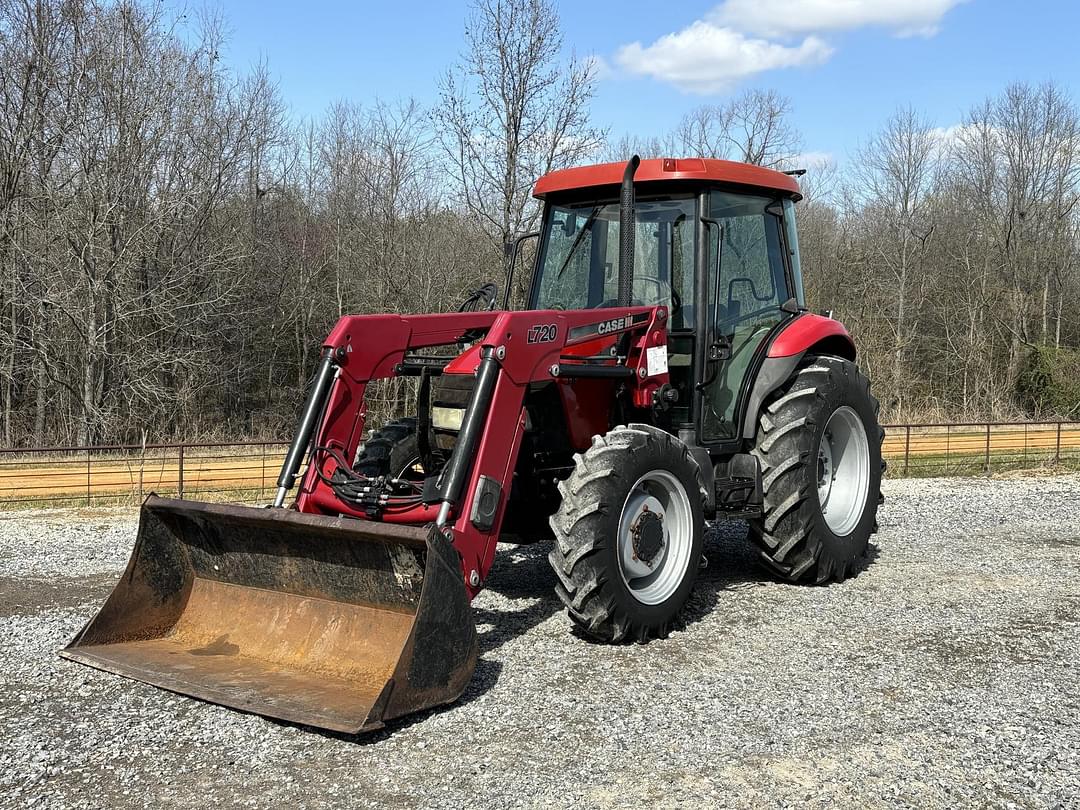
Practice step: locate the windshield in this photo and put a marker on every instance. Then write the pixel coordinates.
(579, 266)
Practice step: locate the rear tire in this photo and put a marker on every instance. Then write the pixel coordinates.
(818, 442)
(628, 534)
(392, 450)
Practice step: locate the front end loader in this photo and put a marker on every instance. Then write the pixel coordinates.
(664, 373)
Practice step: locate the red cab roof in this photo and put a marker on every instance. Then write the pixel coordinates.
(660, 169)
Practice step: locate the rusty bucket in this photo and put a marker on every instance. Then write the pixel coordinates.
(331, 622)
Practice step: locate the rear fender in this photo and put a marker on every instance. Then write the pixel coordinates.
(813, 334)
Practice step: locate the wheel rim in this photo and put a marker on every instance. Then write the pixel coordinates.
(413, 471)
(843, 471)
(656, 536)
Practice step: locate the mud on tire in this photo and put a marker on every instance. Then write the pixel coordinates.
(586, 553)
(793, 536)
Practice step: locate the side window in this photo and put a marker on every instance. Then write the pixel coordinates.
(752, 278)
(752, 285)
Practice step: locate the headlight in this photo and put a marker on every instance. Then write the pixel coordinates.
(447, 418)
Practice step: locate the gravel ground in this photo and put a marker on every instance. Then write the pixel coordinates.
(946, 674)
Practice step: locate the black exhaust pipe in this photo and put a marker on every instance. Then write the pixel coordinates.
(626, 233)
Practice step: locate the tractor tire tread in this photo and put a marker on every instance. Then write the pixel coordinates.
(788, 543)
(387, 447)
(581, 544)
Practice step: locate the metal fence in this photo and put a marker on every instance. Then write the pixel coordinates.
(242, 471)
(247, 471)
(983, 447)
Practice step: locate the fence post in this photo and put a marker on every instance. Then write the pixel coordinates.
(1057, 449)
(87, 476)
(907, 447)
(180, 483)
(987, 447)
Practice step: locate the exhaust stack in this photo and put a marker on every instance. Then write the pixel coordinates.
(626, 233)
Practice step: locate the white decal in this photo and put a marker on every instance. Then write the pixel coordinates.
(656, 360)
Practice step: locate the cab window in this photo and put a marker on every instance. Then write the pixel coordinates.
(579, 267)
(747, 294)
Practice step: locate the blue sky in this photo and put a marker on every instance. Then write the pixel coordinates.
(849, 63)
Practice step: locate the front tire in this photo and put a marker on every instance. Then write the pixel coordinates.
(819, 445)
(628, 534)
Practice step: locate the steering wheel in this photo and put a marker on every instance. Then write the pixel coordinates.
(660, 289)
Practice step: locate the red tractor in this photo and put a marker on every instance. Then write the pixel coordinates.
(664, 373)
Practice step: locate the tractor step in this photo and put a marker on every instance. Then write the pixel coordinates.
(735, 498)
(738, 487)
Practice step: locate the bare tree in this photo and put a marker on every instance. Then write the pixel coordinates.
(896, 170)
(753, 127)
(173, 248)
(512, 111)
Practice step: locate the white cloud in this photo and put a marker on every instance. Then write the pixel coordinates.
(600, 69)
(709, 58)
(781, 18)
(812, 160)
(946, 136)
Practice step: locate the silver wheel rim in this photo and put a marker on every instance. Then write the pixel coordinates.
(415, 467)
(843, 471)
(656, 509)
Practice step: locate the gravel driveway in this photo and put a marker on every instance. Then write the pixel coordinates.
(946, 674)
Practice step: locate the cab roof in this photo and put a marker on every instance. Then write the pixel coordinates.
(666, 170)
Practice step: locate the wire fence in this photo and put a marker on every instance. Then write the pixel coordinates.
(71, 476)
(247, 471)
(983, 447)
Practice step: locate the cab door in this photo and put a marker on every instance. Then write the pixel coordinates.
(745, 295)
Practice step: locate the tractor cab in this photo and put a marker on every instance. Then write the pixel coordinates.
(713, 241)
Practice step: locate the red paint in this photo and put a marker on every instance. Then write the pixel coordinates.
(805, 331)
(465, 363)
(668, 169)
(369, 347)
(587, 409)
(328, 504)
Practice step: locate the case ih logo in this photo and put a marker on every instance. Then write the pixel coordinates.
(614, 325)
(543, 333)
(608, 326)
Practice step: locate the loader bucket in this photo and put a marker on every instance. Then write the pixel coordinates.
(331, 622)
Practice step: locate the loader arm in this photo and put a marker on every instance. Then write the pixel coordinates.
(517, 349)
(328, 614)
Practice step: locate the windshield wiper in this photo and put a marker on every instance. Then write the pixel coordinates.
(577, 240)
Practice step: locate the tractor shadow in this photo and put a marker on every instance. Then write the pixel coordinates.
(484, 678)
(521, 573)
(733, 564)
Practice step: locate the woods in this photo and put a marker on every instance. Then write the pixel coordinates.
(174, 245)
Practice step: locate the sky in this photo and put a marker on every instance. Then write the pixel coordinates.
(845, 64)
